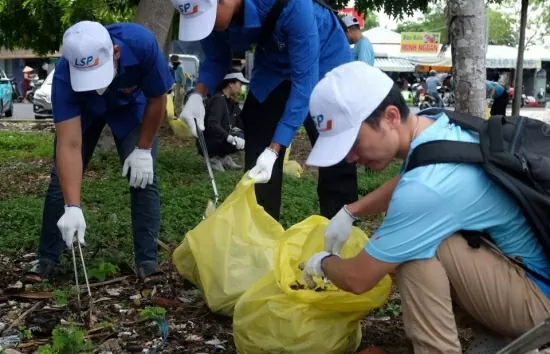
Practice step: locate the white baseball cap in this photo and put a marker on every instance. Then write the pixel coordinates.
(339, 104)
(197, 18)
(350, 21)
(238, 76)
(88, 48)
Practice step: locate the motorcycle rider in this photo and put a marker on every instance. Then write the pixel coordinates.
(432, 82)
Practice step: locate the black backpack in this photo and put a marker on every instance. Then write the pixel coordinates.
(514, 152)
(273, 15)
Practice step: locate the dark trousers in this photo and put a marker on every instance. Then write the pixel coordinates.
(145, 203)
(499, 105)
(337, 185)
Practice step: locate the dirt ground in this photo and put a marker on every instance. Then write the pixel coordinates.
(117, 304)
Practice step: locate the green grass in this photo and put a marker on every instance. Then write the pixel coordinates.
(25, 162)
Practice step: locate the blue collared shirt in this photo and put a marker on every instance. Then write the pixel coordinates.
(308, 41)
(364, 51)
(142, 72)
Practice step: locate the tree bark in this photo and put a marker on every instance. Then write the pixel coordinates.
(518, 82)
(157, 16)
(466, 28)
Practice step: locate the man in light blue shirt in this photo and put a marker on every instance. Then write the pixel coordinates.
(306, 42)
(179, 87)
(363, 49)
(437, 272)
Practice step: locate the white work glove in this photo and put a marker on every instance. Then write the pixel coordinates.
(193, 110)
(338, 231)
(261, 172)
(70, 223)
(312, 268)
(235, 140)
(140, 163)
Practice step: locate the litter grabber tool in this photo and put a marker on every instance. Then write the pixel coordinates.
(211, 205)
(530, 340)
(76, 275)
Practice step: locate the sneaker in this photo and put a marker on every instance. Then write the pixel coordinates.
(228, 162)
(216, 164)
(486, 344)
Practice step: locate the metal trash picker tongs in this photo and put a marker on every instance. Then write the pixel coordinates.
(76, 274)
(202, 144)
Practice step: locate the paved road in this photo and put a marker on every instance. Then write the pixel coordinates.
(23, 111)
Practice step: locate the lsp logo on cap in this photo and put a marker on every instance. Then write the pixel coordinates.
(86, 62)
(184, 9)
(322, 124)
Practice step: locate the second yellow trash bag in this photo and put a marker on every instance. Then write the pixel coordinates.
(230, 250)
(274, 316)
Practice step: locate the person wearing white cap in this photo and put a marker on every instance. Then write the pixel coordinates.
(115, 75)
(363, 50)
(437, 272)
(223, 126)
(296, 43)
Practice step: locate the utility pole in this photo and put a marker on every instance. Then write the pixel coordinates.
(518, 85)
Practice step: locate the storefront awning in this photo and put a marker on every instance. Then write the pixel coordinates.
(395, 65)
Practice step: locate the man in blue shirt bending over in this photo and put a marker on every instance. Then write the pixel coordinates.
(307, 41)
(498, 94)
(363, 50)
(113, 75)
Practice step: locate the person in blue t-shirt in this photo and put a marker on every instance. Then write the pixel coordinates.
(363, 50)
(307, 41)
(438, 274)
(115, 75)
(497, 93)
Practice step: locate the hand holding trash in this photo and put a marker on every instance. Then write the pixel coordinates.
(235, 140)
(261, 172)
(194, 110)
(313, 268)
(70, 223)
(338, 231)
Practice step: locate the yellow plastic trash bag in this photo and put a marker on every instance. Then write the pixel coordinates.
(291, 167)
(232, 249)
(274, 316)
(487, 112)
(178, 127)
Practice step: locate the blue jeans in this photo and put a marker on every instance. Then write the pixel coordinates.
(145, 203)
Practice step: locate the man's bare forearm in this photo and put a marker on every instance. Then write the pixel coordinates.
(152, 120)
(375, 202)
(69, 160)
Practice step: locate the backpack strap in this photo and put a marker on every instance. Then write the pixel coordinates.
(465, 121)
(445, 151)
(270, 21)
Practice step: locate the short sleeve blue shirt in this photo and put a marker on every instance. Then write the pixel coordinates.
(142, 72)
(432, 202)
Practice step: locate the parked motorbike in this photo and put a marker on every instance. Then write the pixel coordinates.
(16, 95)
(425, 101)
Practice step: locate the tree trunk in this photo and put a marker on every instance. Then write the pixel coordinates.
(518, 82)
(157, 16)
(466, 28)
